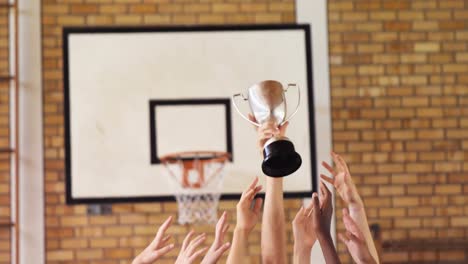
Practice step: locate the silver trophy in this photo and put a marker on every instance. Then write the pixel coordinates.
(267, 103)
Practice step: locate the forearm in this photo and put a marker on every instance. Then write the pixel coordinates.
(359, 216)
(273, 225)
(238, 250)
(301, 254)
(328, 249)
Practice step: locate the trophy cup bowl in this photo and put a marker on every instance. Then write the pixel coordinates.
(267, 102)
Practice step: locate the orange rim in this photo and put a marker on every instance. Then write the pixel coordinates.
(204, 156)
(195, 160)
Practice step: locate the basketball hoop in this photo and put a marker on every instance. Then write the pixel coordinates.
(198, 177)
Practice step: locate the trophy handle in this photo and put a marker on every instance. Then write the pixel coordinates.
(298, 101)
(234, 97)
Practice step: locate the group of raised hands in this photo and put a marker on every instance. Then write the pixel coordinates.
(190, 251)
(310, 224)
(313, 223)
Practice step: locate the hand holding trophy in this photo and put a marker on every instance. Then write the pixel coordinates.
(268, 104)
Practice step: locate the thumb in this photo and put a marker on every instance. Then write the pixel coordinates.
(220, 251)
(315, 204)
(161, 252)
(283, 128)
(258, 206)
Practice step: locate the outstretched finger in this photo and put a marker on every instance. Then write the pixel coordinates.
(221, 221)
(161, 231)
(343, 238)
(255, 192)
(196, 243)
(257, 206)
(162, 251)
(253, 184)
(300, 213)
(329, 168)
(220, 227)
(250, 195)
(315, 205)
(354, 238)
(246, 197)
(308, 210)
(326, 194)
(327, 179)
(223, 233)
(341, 162)
(345, 211)
(323, 195)
(164, 240)
(186, 241)
(258, 189)
(352, 227)
(323, 190)
(197, 254)
(220, 251)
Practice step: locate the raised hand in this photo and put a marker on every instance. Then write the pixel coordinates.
(247, 217)
(218, 247)
(303, 229)
(322, 211)
(321, 216)
(355, 241)
(157, 248)
(304, 235)
(347, 190)
(343, 183)
(189, 253)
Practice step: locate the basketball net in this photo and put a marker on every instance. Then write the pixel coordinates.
(198, 180)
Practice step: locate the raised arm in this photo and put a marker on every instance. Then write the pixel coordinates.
(157, 248)
(218, 248)
(322, 214)
(247, 218)
(343, 183)
(189, 253)
(355, 241)
(304, 235)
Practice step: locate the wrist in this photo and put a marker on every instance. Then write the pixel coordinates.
(356, 207)
(324, 236)
(369, 259)
(301, 250)
(242, 231)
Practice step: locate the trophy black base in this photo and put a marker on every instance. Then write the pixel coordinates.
(280, 159)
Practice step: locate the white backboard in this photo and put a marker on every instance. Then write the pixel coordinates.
(114, 76)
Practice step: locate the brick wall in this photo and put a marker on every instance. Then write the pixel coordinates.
(71, 235)
(400, 107)
(400, 114)
(5, 210)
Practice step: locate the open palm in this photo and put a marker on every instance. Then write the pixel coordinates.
(158, 247)
(218, 247)
(303, 228)
(355, 241)
(342, 181)
(248, 217)
(303, 223)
